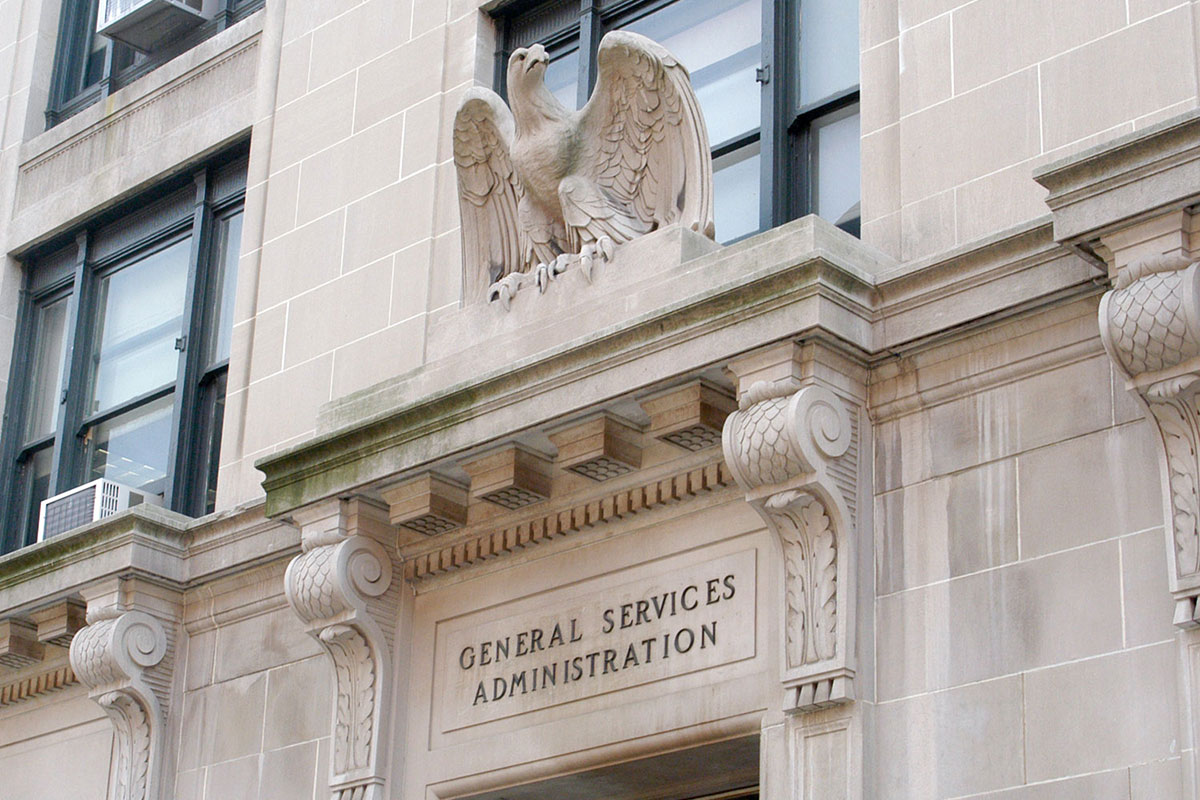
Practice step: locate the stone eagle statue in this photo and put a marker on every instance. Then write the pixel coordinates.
(543, 186)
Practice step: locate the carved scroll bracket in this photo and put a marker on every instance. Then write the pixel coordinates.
(1150, 325)
(792, 445)
(342, 587)
(125, 656)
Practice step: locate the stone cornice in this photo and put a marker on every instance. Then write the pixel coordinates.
(737, 300)
(1111, 184)
(145, 542)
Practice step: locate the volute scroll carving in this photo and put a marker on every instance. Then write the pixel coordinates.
(120, 658)
(781, 444)
(1150, 326)
(342, 587)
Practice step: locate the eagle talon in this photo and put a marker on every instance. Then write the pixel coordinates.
(606, 246)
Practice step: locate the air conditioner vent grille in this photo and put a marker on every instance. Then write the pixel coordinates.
(110, 494)
(70, 512)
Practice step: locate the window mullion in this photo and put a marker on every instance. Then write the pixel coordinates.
(64, 469)
(12, 446)
(589, 44)
(772, 164)
(190, 367)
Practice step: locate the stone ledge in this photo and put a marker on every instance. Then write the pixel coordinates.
(1147, 170)
(799, 279)
(92, 161)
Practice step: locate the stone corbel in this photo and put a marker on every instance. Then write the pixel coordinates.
(125, 656)
(1150, 325)
(342, 587)
(792, 446)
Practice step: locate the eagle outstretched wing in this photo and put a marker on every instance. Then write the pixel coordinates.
(643, 136)
(489, 191)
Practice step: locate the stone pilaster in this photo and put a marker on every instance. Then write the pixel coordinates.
(1150, 325)
(345, 586)
(125, 655)
(793, 446)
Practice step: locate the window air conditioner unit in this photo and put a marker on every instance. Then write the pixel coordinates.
(146, 25)
(96, 500)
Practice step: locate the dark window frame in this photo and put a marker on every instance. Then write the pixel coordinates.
(787, 188)
(70, 93)
(196, 202)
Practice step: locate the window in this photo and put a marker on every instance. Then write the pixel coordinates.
(777, 79)
(88, 67)
(127, 330)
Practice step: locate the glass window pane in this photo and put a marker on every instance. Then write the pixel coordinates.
(828, 48)
(140, 315)
(132, 448)
(49, 347)
(735, 193)
(38, 477)
(211, 422)
(562, 79)
(720, 42)
(226, 249)
(836, 162)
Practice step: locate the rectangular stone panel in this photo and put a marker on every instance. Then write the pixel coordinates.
(1103, 712)
(593, 638)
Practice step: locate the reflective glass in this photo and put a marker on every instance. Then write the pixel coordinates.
(226, 249)
(132, 448)
(49, 347)
(212, 422)
(39, 487)
(562, 79)
(836, 142)
(720, 43)
(140, 315)
(735, 193)
(828, 48)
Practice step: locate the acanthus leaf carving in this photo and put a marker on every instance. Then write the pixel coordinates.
(780, 445)
(342, 588)
(1150, 326)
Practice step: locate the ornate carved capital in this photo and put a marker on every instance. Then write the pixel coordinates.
(794, 452)
(1150, 324)
(342, 587)
(123, 658)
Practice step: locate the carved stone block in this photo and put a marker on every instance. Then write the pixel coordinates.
(789, 445)
(427, 504)
(1150, 325)
(342, 588)
(600, 447)
(689, 416)
(58, 624)
(19, 645)
(124, 657)
(512, 477)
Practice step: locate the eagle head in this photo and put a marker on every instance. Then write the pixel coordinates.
(527, 69)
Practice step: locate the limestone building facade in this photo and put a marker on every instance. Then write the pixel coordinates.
(891, 492)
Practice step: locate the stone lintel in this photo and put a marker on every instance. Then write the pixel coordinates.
(428, 504)
(19, 646)
(689, 416)
(512, 476)
(57, 624)
(598, 447)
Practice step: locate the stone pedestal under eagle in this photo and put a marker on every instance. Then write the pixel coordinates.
(542, 186)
